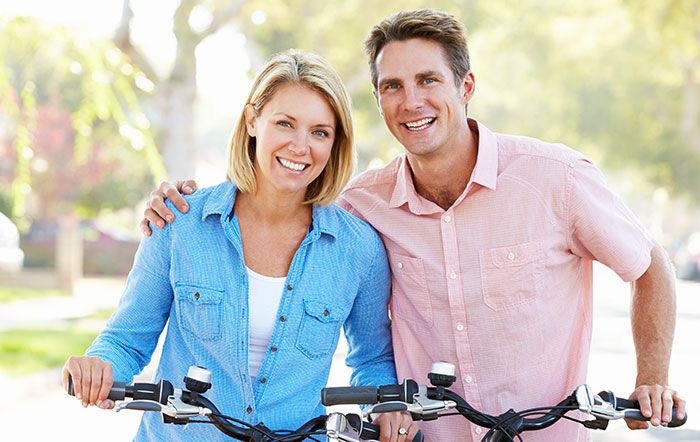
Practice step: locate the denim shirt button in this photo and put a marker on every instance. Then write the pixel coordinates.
(196, 296)
(326, 312)
(273, 348)
(249, 409)
(290, 287)
(283, 318)
(263, 380)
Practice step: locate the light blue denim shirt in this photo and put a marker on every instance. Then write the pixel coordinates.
(191, 275)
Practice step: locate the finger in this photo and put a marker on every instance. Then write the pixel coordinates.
(636, 425)
(107, 404)
(644, 402)
(386, 430)
(107, 382)
(667, 397)
(680, 406)
(145, 228)
(153, 217)
(96, 384)
(176, 198)
(86, 374)
(188, 186)
(656, 405)
(156, 204)
(412, 431)
(404, 423)
(72, 368)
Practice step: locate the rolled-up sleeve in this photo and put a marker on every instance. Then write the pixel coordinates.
(602, 227)
(132, 332)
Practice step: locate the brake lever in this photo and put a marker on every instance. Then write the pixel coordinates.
(337, 427)
(175, 407)
(422, 406)
(141, 405)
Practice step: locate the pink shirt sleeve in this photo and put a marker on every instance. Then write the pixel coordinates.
(602, 227)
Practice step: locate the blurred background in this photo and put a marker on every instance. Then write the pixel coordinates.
(101, 101)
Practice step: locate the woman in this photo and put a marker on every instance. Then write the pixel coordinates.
(258, 280)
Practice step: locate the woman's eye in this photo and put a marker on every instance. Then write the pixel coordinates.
(321, 133)
(284, 123)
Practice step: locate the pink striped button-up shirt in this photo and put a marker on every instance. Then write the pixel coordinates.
(500, 283)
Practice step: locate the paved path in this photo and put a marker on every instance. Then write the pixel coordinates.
(37, 409)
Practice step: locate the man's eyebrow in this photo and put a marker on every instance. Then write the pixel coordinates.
(425, 74)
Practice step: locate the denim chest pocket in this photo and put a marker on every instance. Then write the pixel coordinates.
(319, 328)
(513, 275)
(199, 311)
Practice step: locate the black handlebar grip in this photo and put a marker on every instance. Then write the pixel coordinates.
(349, 395)
(117, 393)
(628, 404)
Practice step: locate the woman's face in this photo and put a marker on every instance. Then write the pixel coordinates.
(294, 134)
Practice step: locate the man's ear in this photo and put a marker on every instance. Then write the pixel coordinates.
(469, 84)
(250, 117)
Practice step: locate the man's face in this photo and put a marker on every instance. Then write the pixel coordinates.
(418, 98)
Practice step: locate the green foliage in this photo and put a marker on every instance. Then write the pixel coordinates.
(9, 294)
(75, 121)
(23, 351)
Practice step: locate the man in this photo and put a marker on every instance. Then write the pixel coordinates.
(491, 240)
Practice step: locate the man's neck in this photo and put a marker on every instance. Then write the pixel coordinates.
(442, 177)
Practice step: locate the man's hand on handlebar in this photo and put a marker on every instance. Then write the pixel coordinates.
(396, 427)
(157, 212)
(92, 380)
(656, 403)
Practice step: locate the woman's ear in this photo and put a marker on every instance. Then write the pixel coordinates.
(250, 118)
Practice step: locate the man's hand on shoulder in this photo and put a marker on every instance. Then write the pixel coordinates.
(157, 212)
(656, 403)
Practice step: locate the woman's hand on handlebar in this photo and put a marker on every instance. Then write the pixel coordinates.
(391, 424)
(92, 380)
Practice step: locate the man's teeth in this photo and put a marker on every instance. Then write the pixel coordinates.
(290, 165)
(420, 124)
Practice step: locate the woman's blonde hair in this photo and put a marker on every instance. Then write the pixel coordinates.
(308, 70)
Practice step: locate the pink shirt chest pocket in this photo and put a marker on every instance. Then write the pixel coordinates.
(512, 275)
(410, 298)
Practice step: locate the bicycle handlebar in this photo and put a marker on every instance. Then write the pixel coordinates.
(425, 403)
(178, 406)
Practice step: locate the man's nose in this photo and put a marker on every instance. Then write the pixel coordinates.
(413, 98)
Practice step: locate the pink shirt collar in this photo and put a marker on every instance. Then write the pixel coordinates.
(485, 173)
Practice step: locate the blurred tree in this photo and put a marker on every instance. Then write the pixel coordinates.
(71, 123)
(175, 93)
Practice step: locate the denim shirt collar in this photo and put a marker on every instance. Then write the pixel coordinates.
(223, 196)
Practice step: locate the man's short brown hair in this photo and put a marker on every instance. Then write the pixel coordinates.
(428, 24)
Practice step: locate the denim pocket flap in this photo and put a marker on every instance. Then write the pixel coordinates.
(198, 295)
(323, 311)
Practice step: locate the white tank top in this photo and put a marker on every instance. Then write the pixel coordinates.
(264, 294)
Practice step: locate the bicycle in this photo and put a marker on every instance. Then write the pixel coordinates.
(427, 403)
(181, 406)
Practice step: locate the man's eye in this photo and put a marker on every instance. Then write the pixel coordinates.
(429, 81)
(392, 86)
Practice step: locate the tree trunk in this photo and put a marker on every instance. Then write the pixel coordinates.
(69, 252)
